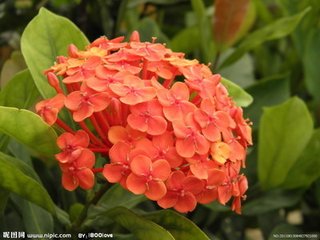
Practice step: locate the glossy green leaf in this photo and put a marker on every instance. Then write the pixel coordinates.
(46, 37)
(271, 91)
(278, 29)
(15, 180)
(139, 226)
(310, 58)
(23, 84)
(179, 226)
(240, 96)
(29, 129)
(306, 168)
(271, 200)
(284, 132)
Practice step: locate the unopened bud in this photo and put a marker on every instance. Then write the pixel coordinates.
(135, 37)
(54, 81)
(73, 51)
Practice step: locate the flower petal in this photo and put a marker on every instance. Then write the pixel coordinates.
(85, 178)
(136, 184)
(113, 172)
(155, 190)
(141, 165)
(186, 203)
(69, 182)
(161, 169)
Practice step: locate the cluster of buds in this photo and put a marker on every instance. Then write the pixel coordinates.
(165, 125)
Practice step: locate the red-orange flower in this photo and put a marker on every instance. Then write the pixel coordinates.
(78, 172)
(165, 126)
(147, 117)
(72, 146)
(175, 101)
(48, 109)
(85, 102)
(181, 192)
(148, 177)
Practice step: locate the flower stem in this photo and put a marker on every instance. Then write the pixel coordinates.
(76, 226)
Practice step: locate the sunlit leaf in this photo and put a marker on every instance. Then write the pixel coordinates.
(29, 129)
(278, 29)
(283, 134)
(240, 96)
(179, 226)
(46, 37)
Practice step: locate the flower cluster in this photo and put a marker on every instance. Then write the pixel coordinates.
(165, 125)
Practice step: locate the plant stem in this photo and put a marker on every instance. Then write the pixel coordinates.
(76, 226)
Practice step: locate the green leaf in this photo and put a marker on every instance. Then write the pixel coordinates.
(180, 42)
(271, 200)
(22, 166)
(29, 129)
(117, 196)
(4, 195)
(62, 217)
(240, 96)
(148, 29)
(46, 37)
(241, 72)
(268, 92)
(11, 67)
(275, 30)
(306, 168)
(284, 132)
(15, 180)
(23, 84)
(35, 219)
(179, 226)
(311, 56)
(204, 33)
(139, 226)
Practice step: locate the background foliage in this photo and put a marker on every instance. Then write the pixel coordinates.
(270, 48)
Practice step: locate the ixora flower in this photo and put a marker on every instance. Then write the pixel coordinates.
(165, 125)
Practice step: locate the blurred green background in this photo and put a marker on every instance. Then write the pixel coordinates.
(270, 48)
